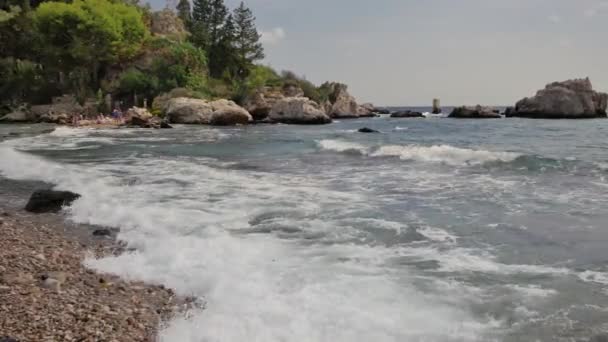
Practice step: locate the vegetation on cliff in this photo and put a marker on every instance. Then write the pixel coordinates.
(95, 48)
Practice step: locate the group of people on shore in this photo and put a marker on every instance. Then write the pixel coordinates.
(115, 118)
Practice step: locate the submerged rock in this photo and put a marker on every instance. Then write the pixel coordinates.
(102, 232)
(572, 99)
(407, 114)
(476, 112)
(298, 110)
(47, 201)
(367, 130)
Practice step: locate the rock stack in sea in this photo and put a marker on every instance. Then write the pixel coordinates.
(475, 112)
(572, 99)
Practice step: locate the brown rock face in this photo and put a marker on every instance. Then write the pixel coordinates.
(194, 111)
(572, 99)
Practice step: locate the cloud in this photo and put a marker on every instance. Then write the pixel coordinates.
(556, 19)
(596, 9)
(273, 37)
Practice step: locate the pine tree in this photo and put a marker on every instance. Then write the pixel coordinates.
(223, 59)
(218, 16)
(199, 26)
(247, 39)
(185, 13)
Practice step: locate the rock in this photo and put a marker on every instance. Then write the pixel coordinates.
(102, 232)
(21, 115)
(572, 99)
(407, 114)
(344, 105)
(8, 339)
(194, 111)
(228, 113)
(477, 112)
(292, 90)
(298, 110)
(165, 124)
(141, 117)
(436, 107)
(381, 111)
(18, 278)
(60, 277)
(44, 201)
(509, 111)
(62, 110)
(367, 130)
(258, 106)
(51, 284)
(166, 23)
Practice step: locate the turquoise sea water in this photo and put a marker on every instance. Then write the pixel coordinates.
(432, 230)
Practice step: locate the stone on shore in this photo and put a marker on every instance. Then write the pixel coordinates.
(47, 201)
(141, 117)
(298, 110)
(572, 99)
(475, 112)
(184, 110)
(407, 114)
(20, 115)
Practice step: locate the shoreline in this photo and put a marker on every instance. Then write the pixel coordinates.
(46, 292)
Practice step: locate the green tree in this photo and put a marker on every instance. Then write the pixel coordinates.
(88, 34)
(184, 12)
(200, 25)
(246, 39)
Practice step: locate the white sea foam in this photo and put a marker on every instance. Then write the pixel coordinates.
(445, 154)
(256, 287)
(341, 146)
(594, 277)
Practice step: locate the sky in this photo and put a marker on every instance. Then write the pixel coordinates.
(407, 52)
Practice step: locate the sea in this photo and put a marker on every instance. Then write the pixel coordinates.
(433, 229)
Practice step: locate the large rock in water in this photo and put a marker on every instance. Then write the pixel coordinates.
(572, 99)
(343, 104)
(50, 201)
(298, 110)
(141, 117)
(476, 112)
(194, 111)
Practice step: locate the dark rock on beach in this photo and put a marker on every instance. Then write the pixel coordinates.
(572, 99)
(46, 201)
(102, 232)
(477, 112)
(367, 130)
(407, 114)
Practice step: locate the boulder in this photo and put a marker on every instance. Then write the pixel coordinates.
(21, 115)
(298, 110)
(166, 23)
(194, 111)
(572, 99)
(381, 110)
(46, 201)
(141, 117)
(344, 105)
(407, 114)
(367, 130)
(228, 113)
(476, 112)
(186, 110)
(258, 106)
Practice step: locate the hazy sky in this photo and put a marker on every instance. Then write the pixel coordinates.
(398, 52)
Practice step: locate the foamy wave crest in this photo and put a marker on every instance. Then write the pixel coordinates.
(444, 154)
(342, 146)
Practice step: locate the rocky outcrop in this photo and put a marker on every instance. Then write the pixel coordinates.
(572, 99)
(141, 117)
(292, 90)
(194, 111)
(166, 23)
(20, 115)
(258, 106)
(476, 112)
(48, 201)
(298, 110)
(62, 110)
(228, 113)
(407, 114)
(344, 105)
